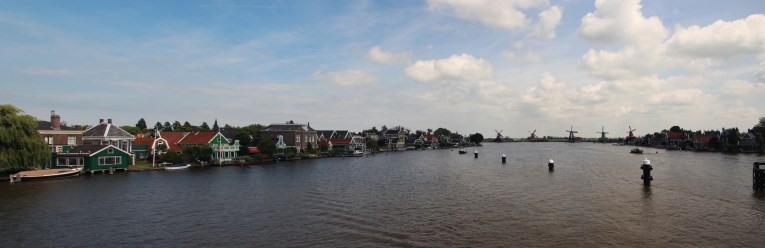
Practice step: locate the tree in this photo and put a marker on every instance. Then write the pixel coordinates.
(476, 138)
(267, 146)
(760, 141)
(215, 126)
(158, 126)
(372, 145)
(141, 124)
(186, 127)
(176, 126)
(442, 132)
(204, 127)
(197, 153)
(430, 130)
(131, 129)
(20, 144)
(761, 123)
(171, 157)
(675, 129)
(323, 147)
(309, 148)
(733, 139)
(167, 127)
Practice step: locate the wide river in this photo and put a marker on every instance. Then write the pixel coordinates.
(433, 198)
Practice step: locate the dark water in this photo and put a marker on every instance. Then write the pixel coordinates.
(433, 198)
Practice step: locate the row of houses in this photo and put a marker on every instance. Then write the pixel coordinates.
(706, 141)
(303, 136)
(105, 146)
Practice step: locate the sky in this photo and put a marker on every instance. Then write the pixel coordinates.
(465, 65)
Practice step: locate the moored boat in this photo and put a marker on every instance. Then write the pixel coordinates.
(636, 151)
(462, 151)
(179, 166)
(45, 174)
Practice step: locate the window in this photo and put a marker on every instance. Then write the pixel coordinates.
(110, 151)
(49, 140)
(76, 161)
(71, 140)
(111, 160)
(297, 138)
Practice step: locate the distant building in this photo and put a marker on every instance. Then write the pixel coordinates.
(57, 135)
(223, 148)
(298, 136)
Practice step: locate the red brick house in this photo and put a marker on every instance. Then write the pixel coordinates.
(58, 135)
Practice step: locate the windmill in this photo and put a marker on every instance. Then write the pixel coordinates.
(571, 132)
(631, 136)
(602, 133)
(533, 135)
(499, 135)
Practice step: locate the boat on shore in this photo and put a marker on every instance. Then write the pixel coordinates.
(179, 166)
(45, 174)
(636, 151)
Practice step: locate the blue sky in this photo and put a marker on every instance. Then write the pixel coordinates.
(469, 66)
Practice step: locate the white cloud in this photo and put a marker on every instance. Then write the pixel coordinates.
(721, 39)
(376, 55)
(462, 67)
(677, 97)
(548, 21)
(621, 21)
(506, 14)
(631, 62)
(346, 78)
(739, 88)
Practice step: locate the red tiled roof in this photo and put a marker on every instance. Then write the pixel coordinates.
(324, 142)
(173, 138)
(198, 138)
(143, 141)
(702, 138)
(253, 149)
(673, 135)
(430, 137)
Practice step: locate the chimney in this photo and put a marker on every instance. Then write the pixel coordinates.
(55, 120)
(109, 121)
(100, 121)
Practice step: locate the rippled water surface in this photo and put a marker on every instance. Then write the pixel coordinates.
(434, 198)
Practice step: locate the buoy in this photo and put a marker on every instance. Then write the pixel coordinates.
(476, 154)
(504, 158)
(551, 165)
(646, 167)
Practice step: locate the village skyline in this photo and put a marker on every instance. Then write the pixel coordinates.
(469, 66)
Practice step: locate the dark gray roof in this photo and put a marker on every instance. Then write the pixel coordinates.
(288, 127)
(229, 133)
(391, 132)
(89, 149)
(341, 133)
(327, 133)
(45, 125)
(102, 129)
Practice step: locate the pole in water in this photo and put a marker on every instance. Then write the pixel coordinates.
(551, 165)
(758, 180)
(504, 158)
(476, 154)
(646, 167)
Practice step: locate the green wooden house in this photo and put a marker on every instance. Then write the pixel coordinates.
(94, 158)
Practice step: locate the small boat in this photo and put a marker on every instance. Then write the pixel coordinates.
(462, 151)
(45, 174)
(178, 166)
(636, 151)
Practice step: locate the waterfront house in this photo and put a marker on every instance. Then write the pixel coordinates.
(106, 133)
(165, 141)
(224, 150)
(333, 134)
(674, 139)
(701, 141)
(57, 135)
(94, 158)
(299, 136)
(395, 139)
(748, 143)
